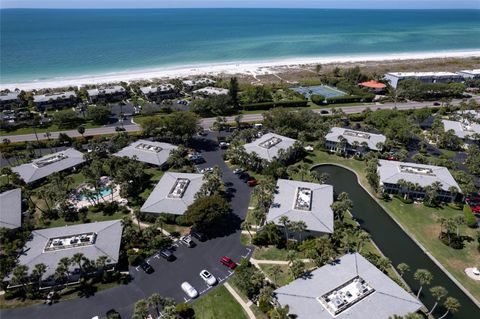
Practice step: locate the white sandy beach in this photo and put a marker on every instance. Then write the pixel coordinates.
(229, 68)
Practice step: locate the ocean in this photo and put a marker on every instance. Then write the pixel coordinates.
(39, 45)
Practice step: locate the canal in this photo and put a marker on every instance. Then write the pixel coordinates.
(395, 243)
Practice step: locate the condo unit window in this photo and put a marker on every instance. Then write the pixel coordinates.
(345, 296)
(70, 241)
(357, 134)
(149, 147)
(49, 160)
(303, 199)
(416, 170)
(271, 142)
(179, 188)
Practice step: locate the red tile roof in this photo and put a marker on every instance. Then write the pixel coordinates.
(373, 84)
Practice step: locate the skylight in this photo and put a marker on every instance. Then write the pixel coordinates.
(416, 170)
(357, 134)
(303, 199)
(49, 160)
(149, 148)
(179, 188)
(271, 142)
(71, 241)
(345, 296)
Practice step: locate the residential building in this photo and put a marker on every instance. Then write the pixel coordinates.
(153, 153)
(161, 92)
(426, 77)
(9, 100)
(351, 287)
(93, 240)
(269, 145)
(55, 100)
(470, 74)
(11, 209)
(197, 83)
(49, 164)
(355, 141)
(463, 129)
(173, 193)
(411, 178)
(374, 86)
(107, 94)
(301, 201)
(210, 90)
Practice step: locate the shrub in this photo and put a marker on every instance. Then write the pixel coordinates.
(318, 99)
(269, 105)
(471, 219)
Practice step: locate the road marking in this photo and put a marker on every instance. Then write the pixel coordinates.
(230, 272)
(156, 256)
(148, 261)
(186, 300)
(136, 268)
(220, 279)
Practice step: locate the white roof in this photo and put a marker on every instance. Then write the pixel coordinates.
(471, 72)
(49, 164)
(423, 74)
(209, 90)
(351, 136)
(108, 90)
(387, 299)
(198, 81)
(106, 243)
(279, 143)
(160, 88)
(9, 96)
(462, 129)
(154, 153)
(392, 171)
(160, 200)
(11, 208)
(54, 96)
(318, 216)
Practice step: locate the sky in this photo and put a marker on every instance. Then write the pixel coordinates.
(343, 4)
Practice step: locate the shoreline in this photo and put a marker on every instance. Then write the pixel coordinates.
(246, 68)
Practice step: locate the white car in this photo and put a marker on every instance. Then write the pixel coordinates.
(208, 278)
(476, 272)
(189, 290)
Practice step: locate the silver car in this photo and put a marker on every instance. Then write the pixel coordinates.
(189, 290)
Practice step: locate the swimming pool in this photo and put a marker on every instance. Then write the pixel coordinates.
(324, 90)
(103, 192)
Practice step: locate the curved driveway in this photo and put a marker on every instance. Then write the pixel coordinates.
(167, 277)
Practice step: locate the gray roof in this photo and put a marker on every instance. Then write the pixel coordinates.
(462, 129)
(107, 243)
(269, 153)
(11, 208)
(146, 155)
(387, 299)
(210, 90)
(32, 171)
(159, 202)
(160, 88)
(319, 218)
(9, 96)
(108, 90)
(352, 136)
(54, 96)
(391, 172)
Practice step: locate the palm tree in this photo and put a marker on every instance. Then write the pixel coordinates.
(81, 130)
(38, 272)
(101, 262)
(452, 305)
(246, 225)
(403, 268)
(438, 292)
(286, 223)
(363, 237)
(424, 277)
(140, 310)
(299, 227)
(20, 276)
(238, 120)
(279, 312)
(276, 270)
(77, 259)
(65, 264)
(155, 301)
(137, 214)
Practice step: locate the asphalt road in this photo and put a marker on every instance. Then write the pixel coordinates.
(167, 276)
(207, 122)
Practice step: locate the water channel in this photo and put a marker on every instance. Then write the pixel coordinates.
(395, 243)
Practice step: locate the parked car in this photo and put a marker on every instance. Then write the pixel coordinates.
(228, 262)
(189, 290)
(223, 145)
(238, 171)
(187, 240)
(252, 182)
(119, 129)
(198, 235)
(244, 176)
(50, 297)
(436, 103)
(147, 267)
(208, 278)
(324, 112)
(167, 254)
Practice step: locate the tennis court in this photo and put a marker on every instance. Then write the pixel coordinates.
(324, 90)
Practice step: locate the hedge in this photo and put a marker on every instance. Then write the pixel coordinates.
(269, 105)
(318, 99)
(471, 219)
(343, 99)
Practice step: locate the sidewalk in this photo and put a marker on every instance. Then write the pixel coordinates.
(245, 306)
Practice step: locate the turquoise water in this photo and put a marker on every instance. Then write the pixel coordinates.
(45, 44)
(103, 192)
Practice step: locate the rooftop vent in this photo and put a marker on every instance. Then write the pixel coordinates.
(148, 147)
(271, 142)
(49, 160)
(70, 241)
(345, 296)
(179, 188)
(416, 170)
(357, 134)
(303, 199)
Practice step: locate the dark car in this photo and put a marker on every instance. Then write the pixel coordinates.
(119, 129)
(112, 313)
(228, 262)
(252, 182)
(436, 104)
(244, 176)
(167, 254)
(324, 112)
(146, 267)
(198, 235)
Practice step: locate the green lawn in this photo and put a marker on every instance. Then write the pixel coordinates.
(41, 131)
(272, 253)
(219, 303)
(280, 274)
(421, 222)
(91, 217)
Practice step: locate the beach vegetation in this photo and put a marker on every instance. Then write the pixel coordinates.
(99, 114)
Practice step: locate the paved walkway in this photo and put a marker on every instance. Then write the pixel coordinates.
(274, 262)
(245, 306)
